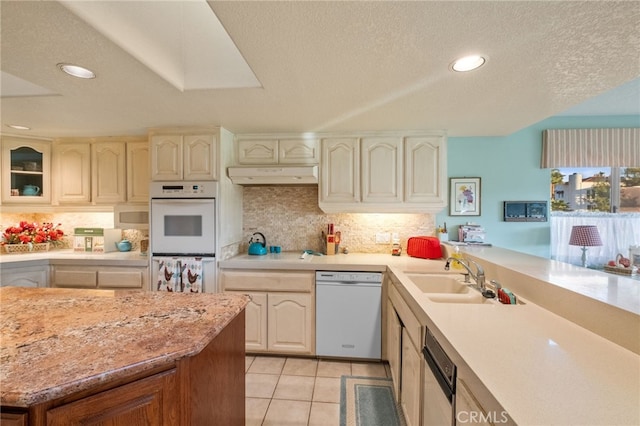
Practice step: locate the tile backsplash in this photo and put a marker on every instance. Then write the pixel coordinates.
(289, 216)
(69, 221)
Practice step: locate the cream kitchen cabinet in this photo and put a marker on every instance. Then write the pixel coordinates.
(100, 277)
(26, 170)
(339, 173)
(469, 410)
(425, 176)
(138, 174)
(256, 322)
(383, 172)
(409, 349)
(394, 347)
(106, 171)
(72, 165)
(411, 384)
(381, 169)
(280, 316)
(24, 276)
(269, 150)
(184, 156)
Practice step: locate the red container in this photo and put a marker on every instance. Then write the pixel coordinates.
(424, 247)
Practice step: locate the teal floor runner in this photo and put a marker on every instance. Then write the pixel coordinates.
(368, 401)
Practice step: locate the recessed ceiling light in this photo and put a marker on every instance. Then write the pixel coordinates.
(77, 71)
(468, 63)
(18, 127)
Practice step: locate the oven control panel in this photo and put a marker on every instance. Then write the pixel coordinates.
(183, 189)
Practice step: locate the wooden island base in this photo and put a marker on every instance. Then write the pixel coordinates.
(207, 388)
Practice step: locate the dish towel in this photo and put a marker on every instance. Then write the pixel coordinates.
(191, 275)
(166, 276)
(179, 274)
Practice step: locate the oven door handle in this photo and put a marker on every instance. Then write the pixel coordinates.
(442, 381)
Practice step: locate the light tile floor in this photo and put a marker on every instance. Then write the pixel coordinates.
(299, 391)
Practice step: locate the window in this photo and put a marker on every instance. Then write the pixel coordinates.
(596, 189)
(584, 192)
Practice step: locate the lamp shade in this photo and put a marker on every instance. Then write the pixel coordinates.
(585, 236)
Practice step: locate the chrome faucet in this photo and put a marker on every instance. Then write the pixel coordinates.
(478, 277)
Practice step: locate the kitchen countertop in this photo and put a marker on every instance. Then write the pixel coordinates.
(343, 262)
(58, 341)
(67, 256)
(541, 367)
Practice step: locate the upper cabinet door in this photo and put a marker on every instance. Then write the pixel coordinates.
(138, 174)
(298, 151)
(340, 171)
(425, 170)
(108, 172)
(256, 151)
(200, 157)
(166, 157)
(26, 170)
(382, 169)
(72, 175)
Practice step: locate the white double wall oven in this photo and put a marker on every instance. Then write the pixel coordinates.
(182, 238)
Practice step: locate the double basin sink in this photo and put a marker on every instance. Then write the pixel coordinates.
(449, 288)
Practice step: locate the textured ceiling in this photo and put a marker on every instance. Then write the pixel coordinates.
(335, 66)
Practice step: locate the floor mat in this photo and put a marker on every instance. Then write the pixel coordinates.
(368, 401)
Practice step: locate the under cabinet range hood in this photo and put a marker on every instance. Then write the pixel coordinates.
(273, 175)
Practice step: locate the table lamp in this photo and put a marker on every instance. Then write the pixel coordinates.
(585, 236)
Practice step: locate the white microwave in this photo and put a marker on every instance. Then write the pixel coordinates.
(131, 216)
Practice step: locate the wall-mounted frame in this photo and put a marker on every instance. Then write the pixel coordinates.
(464, 196)
(525, 211)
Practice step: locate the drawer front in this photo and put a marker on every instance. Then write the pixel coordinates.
(237, 279)
(120, 279)
(82, 278)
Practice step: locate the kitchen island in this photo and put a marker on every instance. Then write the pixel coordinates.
(69, 356)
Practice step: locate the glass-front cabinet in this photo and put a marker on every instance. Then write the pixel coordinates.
(26, 173)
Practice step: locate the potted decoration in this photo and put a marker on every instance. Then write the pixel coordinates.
(29, 237)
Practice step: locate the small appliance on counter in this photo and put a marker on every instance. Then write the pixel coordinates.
(424, 247)
(471, 233)
(96, 240)
(257, 248)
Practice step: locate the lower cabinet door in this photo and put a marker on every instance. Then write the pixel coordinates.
(394, 347)
(150, 401)
(290, 322)
(35, 276)
(11, 419)
(410, 385)
(256, 322)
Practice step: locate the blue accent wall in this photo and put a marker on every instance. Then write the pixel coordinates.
(509, 168)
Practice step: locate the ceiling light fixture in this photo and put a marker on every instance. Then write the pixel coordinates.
(18, 127)
(76, 71)
(468, 63)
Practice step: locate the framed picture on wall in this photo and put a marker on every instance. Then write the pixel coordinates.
(464, 196)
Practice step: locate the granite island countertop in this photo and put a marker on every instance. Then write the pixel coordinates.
(57, 341)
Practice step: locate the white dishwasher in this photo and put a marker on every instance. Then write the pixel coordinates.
(348, 314)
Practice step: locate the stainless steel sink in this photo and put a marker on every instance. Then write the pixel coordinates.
(439, 283)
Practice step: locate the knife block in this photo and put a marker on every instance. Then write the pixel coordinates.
(330, 245)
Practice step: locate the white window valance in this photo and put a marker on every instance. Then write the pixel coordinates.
(591, 148)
